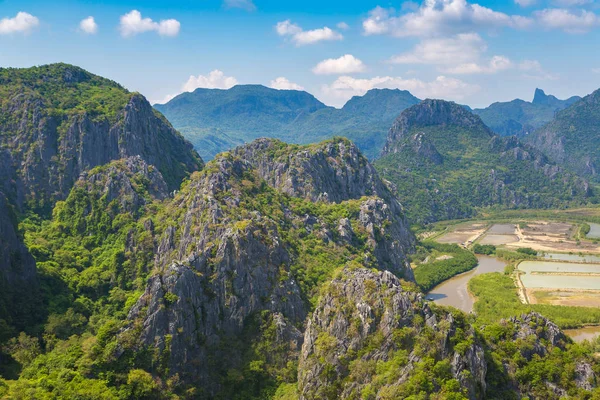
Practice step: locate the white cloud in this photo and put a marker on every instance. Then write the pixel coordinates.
(462, 48)
(247, 5)
(88, 25)
(596, 70)
(525, 3)
(22, 23)
(343, 26)
(132, 24)
(215, 79)
(342, 89)
(566, 20)
(439, 17)
(282, 83)
(346, 64)
(301, 37)
(571, 3)
(496, 64)
(532, 69)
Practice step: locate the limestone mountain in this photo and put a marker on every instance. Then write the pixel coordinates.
(245, 239)
(572, 138)
(217, 120)
(445, 163)
(57, 121)
(278, 271)
(519, 117)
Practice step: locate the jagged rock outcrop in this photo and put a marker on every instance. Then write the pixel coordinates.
(331, 171)
(125, 181)
(51, 145)
(521, 118)
(572, 138)
(367, 319)
(431, 113)
(535, 338)
(228, 254)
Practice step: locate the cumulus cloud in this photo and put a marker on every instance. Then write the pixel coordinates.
(346, 64)
(301, 37)
(283, 83)
(132, 24)
(215, 79)
(462, 48)
(525, 3)
(21, 23)
(343, 26)
(532, 69)
(567, 20)
(496, 64)
(439, 17)
(247, 5)
(88, 25)
(571, 3)
(343, 88)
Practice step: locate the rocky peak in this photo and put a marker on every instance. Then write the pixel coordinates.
(238, 241)
(54, 136)
(431, 113)
(331, 171)
(366, 319)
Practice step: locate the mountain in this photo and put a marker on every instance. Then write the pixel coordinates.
(218, 120)
(520, 117)
(572, 138)
(445, 163)
(278, 271)
(59, 120)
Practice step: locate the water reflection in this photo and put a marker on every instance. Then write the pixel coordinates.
(454, 292)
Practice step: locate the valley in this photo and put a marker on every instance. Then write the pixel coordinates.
(551, 262)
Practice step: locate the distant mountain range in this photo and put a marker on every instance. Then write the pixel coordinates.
(445, 163)
(572, 138)
(520, 117)
(216, 120)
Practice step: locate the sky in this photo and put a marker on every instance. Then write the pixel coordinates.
(475, 53)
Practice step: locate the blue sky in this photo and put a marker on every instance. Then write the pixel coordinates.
(472, 52)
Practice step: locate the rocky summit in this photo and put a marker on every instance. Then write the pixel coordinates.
(445, 162)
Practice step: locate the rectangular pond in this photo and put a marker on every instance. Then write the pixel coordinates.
(581, 258)
(594, 232)
(560, 275)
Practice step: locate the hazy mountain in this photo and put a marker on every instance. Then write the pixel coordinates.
(217, 120)
(445, 162)
(520, 117)
(572, 138)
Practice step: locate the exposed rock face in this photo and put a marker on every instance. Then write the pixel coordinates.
(537, 338)
(50, 148)
(359, 322)
(445, 163)
(428, 113)
(572, 139)
(120, 179)
(224, 259)
(333, 171)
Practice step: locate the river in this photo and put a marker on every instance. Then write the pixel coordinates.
(454, 292)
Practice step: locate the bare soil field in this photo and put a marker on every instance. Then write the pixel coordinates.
(577, 298)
